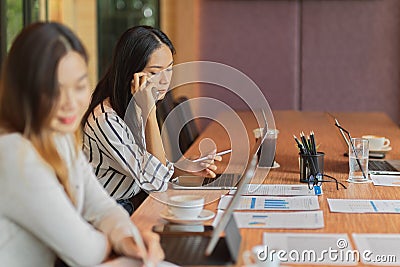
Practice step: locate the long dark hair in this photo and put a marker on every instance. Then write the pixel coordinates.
(131, 54)
(29, 90)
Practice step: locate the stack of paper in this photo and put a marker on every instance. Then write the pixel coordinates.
(298, 201)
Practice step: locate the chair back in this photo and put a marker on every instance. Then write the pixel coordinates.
(175, 116)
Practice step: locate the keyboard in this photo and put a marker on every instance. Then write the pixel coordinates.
(380, 165)
(226, 179)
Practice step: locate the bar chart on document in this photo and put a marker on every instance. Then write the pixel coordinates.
(313, 219)
(275, 203)
(272, 203)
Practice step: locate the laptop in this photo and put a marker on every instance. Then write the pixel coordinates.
(221, 182)
(209, 248)
(225, 181)
(378, 167)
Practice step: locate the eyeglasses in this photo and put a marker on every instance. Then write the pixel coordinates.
(317, 180)
(350, 143)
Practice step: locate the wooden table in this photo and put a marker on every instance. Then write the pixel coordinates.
(329, 140)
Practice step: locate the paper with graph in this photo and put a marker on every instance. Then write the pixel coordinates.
(272, 203)
(277, 220)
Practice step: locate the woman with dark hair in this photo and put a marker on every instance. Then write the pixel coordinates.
(122, 139)
(50, 201)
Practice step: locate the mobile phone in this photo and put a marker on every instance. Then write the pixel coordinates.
(217, 154)
(170, 228)
(372, 155)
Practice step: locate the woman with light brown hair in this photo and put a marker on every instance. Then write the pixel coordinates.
(51, 204)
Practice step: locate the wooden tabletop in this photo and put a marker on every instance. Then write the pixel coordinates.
(329, 141)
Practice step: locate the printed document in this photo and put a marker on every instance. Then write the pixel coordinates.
(378, 249)
(364, 206)
(277, 220)
(272, 203)
(277, 190)
(386, 180)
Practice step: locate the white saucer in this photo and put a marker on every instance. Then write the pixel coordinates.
(360, 181)
(385, 149)
(204, 216)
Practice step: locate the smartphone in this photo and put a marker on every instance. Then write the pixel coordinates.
(217, 154)
(372, 155)
(170, 228)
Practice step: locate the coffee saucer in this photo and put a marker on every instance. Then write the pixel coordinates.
(361, 181)
(204, 216)
(384, 149)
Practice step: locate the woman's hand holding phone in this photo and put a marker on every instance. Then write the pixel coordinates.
(208, 162)
(144, 91)
(205, 166)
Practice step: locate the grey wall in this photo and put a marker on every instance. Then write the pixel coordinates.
(326, 55)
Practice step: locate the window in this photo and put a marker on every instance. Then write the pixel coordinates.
(14, 15)
(114, 17)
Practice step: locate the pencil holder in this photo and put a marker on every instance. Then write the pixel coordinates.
(311, 165)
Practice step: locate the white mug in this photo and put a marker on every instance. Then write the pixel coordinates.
(377, 142)
(186, 206)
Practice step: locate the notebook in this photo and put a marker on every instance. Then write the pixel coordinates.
(188, 248)
(379, 167)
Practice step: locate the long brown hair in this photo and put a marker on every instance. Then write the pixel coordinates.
(29, 89)
(131, 54)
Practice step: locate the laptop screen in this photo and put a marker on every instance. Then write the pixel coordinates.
(247, 175)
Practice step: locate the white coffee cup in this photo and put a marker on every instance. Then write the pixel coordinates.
(186, 206)
(259, 256)
(377, 142)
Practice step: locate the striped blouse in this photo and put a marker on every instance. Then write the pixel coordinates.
(119, 164)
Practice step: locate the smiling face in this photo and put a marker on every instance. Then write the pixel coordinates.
(74, 96)
(159, 67)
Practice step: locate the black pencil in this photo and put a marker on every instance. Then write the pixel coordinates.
(313, 146)
(299, 145)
